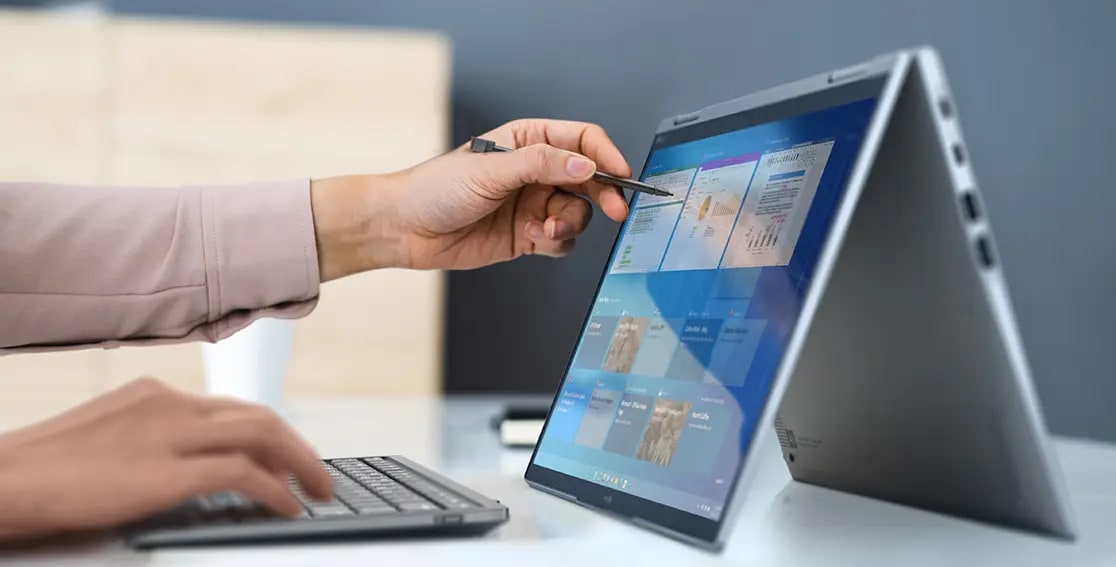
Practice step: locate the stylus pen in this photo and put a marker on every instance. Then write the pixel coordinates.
(482, 146)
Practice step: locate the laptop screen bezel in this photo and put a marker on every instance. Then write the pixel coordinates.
(826, 94)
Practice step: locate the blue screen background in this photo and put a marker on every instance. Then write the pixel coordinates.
(684, 316)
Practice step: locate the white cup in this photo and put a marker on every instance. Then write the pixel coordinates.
(252, 364)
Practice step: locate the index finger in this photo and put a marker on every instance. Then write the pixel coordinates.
(593, 142)
(589, 140)
(585, 138)
(208, 474)
(265, 437)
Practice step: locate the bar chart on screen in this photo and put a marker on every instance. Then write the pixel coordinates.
(776, 206)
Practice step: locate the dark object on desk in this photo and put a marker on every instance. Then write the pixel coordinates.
(374, 497)
(523, 412)
(519, 426)
(482, 146)
(522, 434)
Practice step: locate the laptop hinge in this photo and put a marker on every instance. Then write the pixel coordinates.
(847, 73)
(684, 118)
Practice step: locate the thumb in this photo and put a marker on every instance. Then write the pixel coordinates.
(538, 163)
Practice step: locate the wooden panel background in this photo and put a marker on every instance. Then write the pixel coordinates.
(152, 102)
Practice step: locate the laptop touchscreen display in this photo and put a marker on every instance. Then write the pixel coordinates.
(699, 298)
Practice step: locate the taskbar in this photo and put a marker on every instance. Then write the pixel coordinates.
(665, 495)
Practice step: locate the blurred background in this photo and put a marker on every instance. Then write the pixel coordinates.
(209, 90)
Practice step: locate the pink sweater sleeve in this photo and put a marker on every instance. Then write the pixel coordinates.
(107, 266)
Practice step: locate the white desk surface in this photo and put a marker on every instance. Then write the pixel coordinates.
(784, 523)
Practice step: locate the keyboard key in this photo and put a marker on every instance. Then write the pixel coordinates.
(357, 501)
(416, 506)
(332, 504)
(373, 509)
(427, 489)
(330, 512)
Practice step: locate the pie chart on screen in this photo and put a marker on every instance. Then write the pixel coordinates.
(704, 208)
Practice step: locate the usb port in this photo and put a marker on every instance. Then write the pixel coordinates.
(984, 252)
(969, 203)
(945, 107)
(958, 154)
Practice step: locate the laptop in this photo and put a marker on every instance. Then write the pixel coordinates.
(825, 274)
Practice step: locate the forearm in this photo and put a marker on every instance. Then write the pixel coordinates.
(84, 266)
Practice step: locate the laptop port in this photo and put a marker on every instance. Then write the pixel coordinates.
(984, 252)
(958, 153)
(945, 107)
(969, 203)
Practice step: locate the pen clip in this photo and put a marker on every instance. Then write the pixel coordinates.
(481, 146)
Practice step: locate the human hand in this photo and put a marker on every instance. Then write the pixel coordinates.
(143, 448)
(465, 210)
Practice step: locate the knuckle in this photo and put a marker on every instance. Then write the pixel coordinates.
(239, 469)
(582, 210)
(263, 412)
(264, 425)
(147, 383)
(274, 422)
(534, 128)
(149, 386)
(541, 156)
(532, 161)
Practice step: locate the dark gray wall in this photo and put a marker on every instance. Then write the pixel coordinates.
(1034, 81)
